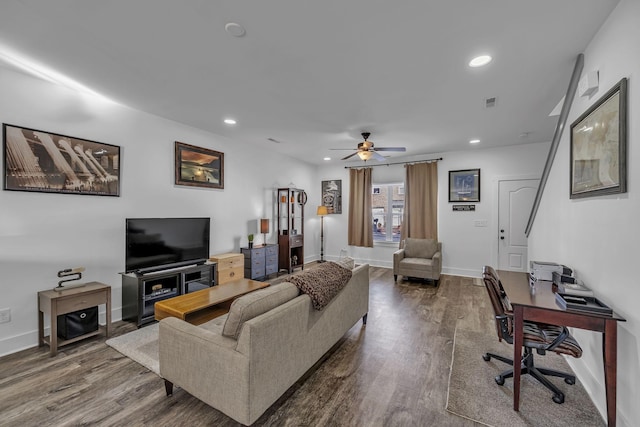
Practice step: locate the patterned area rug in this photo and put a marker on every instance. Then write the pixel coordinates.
(474, 394)
(140, 345)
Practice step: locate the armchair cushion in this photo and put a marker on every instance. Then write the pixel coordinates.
(420, 248)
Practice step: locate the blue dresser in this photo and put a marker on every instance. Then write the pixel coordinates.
(260, 261)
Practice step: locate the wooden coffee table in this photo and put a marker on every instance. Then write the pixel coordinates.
(201, 306)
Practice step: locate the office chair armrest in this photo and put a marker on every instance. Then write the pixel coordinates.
(550, 331)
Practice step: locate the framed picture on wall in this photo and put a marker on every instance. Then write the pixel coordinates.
(199, 167)
(464, 185)
(332, 196)
(46, 162)
(599, 146)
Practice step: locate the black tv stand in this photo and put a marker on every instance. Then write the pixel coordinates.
(140, 292)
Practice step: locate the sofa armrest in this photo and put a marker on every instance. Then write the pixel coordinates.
(202, 362)
(436, 265)
(397, 257)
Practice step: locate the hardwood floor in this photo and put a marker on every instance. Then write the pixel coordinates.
(393, 372)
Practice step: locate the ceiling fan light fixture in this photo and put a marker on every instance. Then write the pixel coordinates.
(365, 155)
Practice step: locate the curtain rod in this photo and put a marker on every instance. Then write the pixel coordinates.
(396, 163)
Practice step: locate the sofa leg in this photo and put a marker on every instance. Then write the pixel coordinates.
(168, 386)
(364, 319)
(436, 281)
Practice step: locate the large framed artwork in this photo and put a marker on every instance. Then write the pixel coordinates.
(46, 162)
(332, 196)
(464, 185)
(599, 146)
(199, 167)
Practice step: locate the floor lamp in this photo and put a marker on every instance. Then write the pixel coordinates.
(322, 211)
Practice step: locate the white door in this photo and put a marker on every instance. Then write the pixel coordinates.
(515, 200)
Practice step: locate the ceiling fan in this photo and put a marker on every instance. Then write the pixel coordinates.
(366, 149)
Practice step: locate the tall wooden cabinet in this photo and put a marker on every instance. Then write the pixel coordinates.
(291, 203)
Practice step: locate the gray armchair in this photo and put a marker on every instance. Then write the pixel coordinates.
(420, 258)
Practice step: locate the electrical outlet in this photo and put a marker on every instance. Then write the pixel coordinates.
(5, 315)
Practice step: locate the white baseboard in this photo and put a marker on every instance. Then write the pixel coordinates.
(461, 272)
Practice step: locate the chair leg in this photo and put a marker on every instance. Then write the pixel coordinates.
(558, 396)
(395, 277)
(489, 356)
(528, 367)
(568, 378)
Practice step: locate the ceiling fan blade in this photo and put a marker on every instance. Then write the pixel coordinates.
(377, 156)
(390, 149)
(350, 155)
(337, 149)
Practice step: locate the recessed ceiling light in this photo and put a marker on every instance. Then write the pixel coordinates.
(479, 61)
(230, 121)
(327, 158)
(236, 30)
(474, 141)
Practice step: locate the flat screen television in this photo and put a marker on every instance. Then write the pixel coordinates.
(154, 244)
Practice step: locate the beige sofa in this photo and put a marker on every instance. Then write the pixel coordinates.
(243, 377)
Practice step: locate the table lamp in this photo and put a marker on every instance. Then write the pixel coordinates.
(264, 229)
(322, 211)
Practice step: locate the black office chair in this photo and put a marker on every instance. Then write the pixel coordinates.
(539, 336)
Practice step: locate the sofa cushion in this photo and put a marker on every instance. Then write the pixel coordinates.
(420, 248)
(256, 303)
(346, 262)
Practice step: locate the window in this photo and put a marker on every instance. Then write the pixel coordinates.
(387, 208)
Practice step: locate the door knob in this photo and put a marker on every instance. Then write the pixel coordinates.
(501, 237)
(502, 231)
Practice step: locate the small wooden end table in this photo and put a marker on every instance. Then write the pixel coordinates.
(201, 306)
(54, 303)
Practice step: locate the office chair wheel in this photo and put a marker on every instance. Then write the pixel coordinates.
(558, 398)
(486, 357)
(570, 381)
(499, 380)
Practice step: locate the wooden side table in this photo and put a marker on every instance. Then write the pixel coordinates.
(54, 303)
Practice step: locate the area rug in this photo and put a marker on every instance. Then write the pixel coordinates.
(474, 394)
(140, 345)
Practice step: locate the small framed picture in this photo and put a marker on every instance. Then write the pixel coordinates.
(199, 167)
(464, 185)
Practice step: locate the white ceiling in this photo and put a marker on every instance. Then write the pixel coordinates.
(314, 74)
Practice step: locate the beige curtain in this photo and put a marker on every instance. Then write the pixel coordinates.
(360, 216)
(420, 201)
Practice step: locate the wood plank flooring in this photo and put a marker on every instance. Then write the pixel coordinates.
(393, 372)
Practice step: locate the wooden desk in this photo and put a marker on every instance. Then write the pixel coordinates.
(538, 303)
(55, 303)
(201, 306)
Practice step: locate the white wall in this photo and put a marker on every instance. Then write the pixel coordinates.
(599, 236)
(43, 233)
(465, 248)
